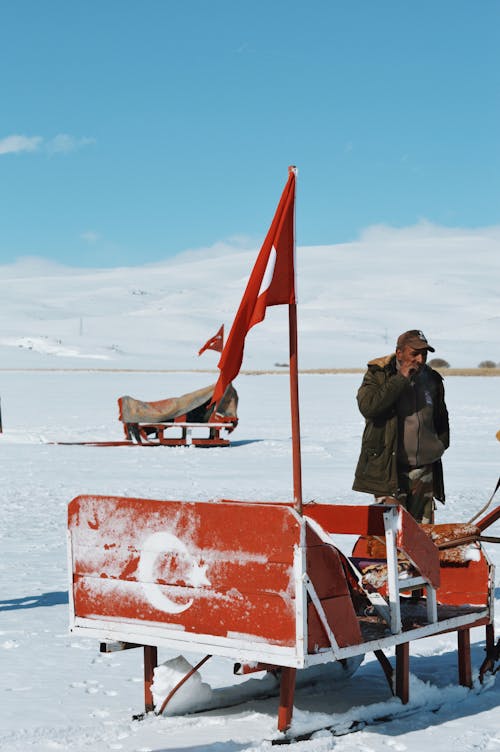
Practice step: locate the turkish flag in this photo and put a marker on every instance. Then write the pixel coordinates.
(272, 282)
(214, 343)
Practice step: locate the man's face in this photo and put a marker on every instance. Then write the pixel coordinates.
(410, 359)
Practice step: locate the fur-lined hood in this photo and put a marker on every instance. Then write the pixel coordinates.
(389, 361)
(383, 361)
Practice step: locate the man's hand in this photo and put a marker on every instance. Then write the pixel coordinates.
(410, 361)
(407, 370)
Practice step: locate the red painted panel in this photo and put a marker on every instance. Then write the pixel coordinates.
(325, 570)
(206, 567)
(324, 567)
(361, 549)
(267, 616)
(265, 530)
(341, 619)
(344, 519)
(418, 546)
(170, 568)
(465, 584)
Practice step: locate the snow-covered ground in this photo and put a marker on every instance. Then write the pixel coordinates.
(57, 692)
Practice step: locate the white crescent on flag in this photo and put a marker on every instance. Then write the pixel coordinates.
(268, 274)
(167, 543)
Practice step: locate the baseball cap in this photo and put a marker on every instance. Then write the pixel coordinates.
(414, 338)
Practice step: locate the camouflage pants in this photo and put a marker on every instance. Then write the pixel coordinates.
(416, 492)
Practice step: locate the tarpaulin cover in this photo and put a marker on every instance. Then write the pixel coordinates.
(195, 406)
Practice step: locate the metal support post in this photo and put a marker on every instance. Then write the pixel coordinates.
(403, 672)
(287, 691)
(150, 663)
(464, 662)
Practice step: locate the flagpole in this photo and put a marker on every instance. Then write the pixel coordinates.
(294, 393)
(294, 404)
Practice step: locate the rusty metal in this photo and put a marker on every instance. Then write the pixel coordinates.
(464, 661)
(402, 689)
(386, 667)
(294, 404)
(179, 684)
(287, 691)
(150, 663)
(490, 518)
(95, 443)
(241, 669)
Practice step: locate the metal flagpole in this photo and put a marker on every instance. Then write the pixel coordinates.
(294, 403)
(294, 390)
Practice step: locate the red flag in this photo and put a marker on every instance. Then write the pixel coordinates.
(272, 282)
(214, 343)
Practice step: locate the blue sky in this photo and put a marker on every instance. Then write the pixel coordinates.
(131, 131)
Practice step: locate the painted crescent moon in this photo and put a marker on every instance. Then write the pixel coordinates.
(154, 545)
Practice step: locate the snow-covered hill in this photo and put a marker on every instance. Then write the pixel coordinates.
(354, 299)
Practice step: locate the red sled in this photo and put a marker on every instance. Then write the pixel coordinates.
(264, 586)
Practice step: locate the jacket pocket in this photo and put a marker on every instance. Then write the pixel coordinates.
(374, 440)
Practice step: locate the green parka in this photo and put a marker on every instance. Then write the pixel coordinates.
(377, 472)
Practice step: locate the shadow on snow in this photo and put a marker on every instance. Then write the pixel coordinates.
(369, 687)
(57, 598)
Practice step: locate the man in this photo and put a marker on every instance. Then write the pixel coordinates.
(406, 431)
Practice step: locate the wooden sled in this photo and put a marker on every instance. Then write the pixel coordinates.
(189, 420)
(265, 587)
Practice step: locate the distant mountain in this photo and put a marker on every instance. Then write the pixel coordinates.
(354, 299)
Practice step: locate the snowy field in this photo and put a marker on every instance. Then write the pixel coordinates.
(58, 693)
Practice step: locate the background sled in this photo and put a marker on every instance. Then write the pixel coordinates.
(191, 419)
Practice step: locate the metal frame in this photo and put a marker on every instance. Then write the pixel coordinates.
(139, 432)
(395, 584)
(244, 649)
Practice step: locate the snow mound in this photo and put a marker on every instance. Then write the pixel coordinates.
(193, 694)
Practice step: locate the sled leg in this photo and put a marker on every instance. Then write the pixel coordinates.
(490, 637)
(150, 663)
(134, 432)
(464, 662)
(287, 691)
(403, 672)
(492, 653)
(386, 667)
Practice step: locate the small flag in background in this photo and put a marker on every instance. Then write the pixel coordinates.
(214, 343)
(272, 282)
